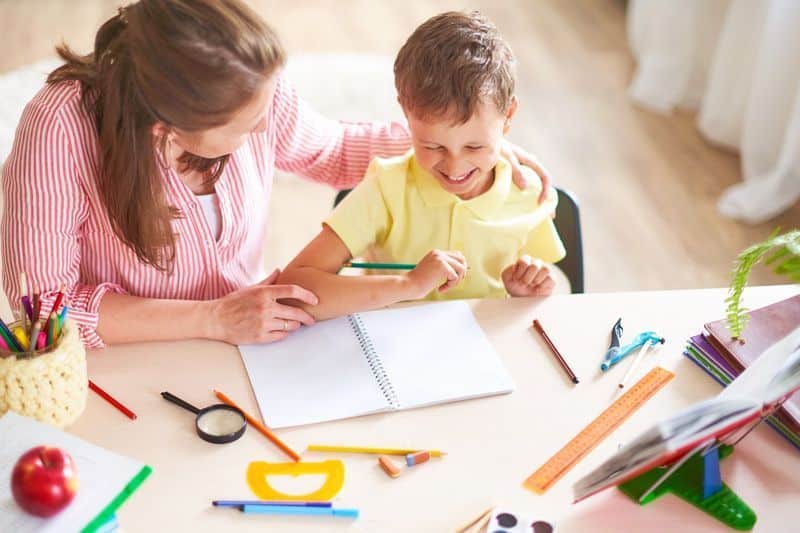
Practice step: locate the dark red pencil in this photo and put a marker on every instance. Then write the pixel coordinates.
(539, 329)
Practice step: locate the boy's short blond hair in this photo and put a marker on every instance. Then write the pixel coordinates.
(451, 63)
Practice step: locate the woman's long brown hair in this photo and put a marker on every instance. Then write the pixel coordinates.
(188, 64)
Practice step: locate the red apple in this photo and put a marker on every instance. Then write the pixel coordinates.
(44, 480)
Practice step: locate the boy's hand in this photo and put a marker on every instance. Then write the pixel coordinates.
(436, 266)
(528, 277)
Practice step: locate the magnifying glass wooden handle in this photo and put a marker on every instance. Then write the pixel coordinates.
(177, 401)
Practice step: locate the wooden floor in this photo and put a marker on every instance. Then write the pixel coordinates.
(647, 183)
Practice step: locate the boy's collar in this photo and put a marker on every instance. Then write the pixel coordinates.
(485, 206)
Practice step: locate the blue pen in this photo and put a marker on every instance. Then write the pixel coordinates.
(638, 342)
(297, 510)
(242, 503)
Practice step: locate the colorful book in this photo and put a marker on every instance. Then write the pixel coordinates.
(755, 393)
(106, 479)
(724, 358)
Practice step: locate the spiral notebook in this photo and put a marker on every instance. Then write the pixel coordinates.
(374, 362)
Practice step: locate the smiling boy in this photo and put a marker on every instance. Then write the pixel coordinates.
(448, 205)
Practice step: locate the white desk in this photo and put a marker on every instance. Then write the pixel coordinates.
(493, 444)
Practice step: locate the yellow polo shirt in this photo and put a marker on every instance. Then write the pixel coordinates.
(401, 209)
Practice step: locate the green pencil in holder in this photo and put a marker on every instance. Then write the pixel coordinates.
(49, 384)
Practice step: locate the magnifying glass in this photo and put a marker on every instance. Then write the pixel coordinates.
(218, 423)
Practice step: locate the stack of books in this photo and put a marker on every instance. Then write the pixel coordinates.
(725, 358)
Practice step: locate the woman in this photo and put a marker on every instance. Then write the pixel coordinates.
(140, 176)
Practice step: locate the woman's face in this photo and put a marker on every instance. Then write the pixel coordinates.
(227, 138)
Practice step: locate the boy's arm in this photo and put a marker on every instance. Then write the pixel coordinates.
(315, 268)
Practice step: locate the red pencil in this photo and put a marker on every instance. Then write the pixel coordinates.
(60, 297)
(107, 397)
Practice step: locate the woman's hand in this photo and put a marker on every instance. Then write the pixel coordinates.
(437, 266)
(528, 277)
(255, 315)
(519, 158)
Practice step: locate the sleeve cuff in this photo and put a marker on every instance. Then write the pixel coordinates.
(83, 302)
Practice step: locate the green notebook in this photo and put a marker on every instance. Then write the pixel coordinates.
(106, 479)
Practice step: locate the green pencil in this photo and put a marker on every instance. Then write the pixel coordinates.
(382, 266)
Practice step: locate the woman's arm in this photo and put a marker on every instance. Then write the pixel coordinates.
(250, 315)
(329, 151)
(45, 207)
(338, 152)
(316, 267)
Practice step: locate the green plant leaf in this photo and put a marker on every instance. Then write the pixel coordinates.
(783, 255)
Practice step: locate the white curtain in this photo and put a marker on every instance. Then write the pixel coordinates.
(738, 62)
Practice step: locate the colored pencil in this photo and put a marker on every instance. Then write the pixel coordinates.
(4, 345)
(59, 299)
(41, 342)
(381, 266)
(21, 337)
(25, 297)
(260, 427)
(61, 318)
(289, 510)
(483, 517)
(241, 503)
(49, 328)
(373, 451)
(36, 328)
(110, 399)
(8, 337)
(37, 303)
(540, 330)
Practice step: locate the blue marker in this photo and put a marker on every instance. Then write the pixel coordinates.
(241, 503)
(299, 510)
(614, 356)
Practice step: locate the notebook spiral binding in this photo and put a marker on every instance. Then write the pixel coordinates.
(373, 360)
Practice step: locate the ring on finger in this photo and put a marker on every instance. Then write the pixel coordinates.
(285, 325)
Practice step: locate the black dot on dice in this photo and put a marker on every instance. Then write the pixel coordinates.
(507, 520)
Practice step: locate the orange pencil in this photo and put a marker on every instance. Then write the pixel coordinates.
(260, 427)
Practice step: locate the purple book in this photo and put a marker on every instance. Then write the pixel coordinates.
(701, 343)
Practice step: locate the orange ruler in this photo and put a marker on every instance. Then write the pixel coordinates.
(597, 430)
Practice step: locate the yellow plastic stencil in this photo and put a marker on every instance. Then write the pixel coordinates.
(258, 471)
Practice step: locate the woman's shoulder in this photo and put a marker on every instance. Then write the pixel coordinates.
(58, 102)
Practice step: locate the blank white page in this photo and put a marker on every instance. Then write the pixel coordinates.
(102, 475)
(316, 374)
(436, 353)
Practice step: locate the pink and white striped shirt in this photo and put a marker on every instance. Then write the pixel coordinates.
(55, 227)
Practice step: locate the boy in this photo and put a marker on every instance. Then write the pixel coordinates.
(455, 82)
